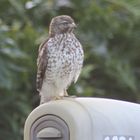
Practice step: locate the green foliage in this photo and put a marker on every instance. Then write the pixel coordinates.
(109, 31)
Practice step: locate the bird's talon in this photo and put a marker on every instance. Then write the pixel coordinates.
(58, 98)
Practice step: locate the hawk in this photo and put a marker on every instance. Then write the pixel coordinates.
(60, 59)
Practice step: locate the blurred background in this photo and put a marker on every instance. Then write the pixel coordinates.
(109, 31)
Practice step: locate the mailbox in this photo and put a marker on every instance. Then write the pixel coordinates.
(84, 119)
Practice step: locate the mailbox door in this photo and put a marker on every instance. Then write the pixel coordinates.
(49, 127)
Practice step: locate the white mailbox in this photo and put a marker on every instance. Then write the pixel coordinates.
(84, 119)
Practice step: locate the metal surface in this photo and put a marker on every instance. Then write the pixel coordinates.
(49, 127)
(84, 119)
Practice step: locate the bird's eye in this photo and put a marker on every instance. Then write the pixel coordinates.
(65, 22)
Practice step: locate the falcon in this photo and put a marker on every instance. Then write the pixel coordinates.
(60, 59)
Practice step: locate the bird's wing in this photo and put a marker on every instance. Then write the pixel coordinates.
(41, 65)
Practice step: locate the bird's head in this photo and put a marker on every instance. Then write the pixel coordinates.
(61, 24)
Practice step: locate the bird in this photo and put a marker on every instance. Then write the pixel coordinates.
(60, 59)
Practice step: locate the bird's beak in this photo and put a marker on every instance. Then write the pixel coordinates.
(73, 25)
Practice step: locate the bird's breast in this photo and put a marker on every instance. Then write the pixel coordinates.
(65, 56)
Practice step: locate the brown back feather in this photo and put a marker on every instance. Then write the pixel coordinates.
(41, 65)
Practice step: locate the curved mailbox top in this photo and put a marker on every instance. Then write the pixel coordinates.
(92, 118)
